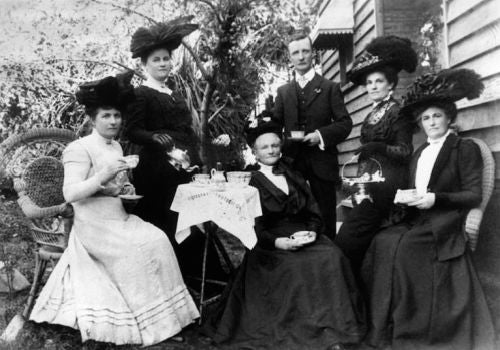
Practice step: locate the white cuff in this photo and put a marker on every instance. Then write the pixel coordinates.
(321, 142)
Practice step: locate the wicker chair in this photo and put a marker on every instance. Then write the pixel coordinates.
(41, 200)
(31, 161)
(475, 215)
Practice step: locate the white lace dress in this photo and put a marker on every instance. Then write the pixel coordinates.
(118, 281)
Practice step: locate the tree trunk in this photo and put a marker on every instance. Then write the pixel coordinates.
(204, 115)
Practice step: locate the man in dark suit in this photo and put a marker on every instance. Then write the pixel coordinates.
(314, 105)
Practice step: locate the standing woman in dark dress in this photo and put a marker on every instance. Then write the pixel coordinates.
(424, 289)
(290, 293)
(158, 120)
(386, 142)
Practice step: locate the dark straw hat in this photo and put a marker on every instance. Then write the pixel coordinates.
(110, 91)
(444, 87)
(262, 124)
(390, 50)
(167, 35)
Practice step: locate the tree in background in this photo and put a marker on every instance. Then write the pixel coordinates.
(222, 69)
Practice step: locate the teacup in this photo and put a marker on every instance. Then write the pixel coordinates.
(406, 196)
(201, 179)
(297, 134)
(240, 178)
(131, 160)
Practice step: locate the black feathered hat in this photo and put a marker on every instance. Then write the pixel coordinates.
(262, 124)
(166, 35)
(444, 87)
(110, 91)
(390, 50)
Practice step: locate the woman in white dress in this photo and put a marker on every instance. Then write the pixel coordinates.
(118, 280)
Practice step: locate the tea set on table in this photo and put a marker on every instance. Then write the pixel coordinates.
(217, 181)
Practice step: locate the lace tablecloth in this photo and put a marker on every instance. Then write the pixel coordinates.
(233, 210)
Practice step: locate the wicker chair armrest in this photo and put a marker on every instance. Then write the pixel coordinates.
(33, 211)
(472, 224)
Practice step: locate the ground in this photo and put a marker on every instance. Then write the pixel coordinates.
(15, 240)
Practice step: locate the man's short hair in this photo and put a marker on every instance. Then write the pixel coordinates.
(299, 36)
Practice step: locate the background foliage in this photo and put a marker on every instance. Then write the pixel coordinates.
(50, 47)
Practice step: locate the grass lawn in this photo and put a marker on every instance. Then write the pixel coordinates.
(15, 239)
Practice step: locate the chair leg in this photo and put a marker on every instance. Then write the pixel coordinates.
(40, 266)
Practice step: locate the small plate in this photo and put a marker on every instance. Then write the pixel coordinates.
(302, 239)
(130, 197)
(300, 138)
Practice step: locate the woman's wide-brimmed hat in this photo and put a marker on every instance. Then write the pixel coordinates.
(390, 50)
(446, 86)
(260, 125)
(167, 35)
(111, 91)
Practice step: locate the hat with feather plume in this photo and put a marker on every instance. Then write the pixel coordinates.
(166, 35)
(444, 87)
(110, 91)
(260, 125)
(390, 50)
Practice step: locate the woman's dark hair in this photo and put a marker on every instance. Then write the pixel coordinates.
(145, 56)
(390, 74)
(449, 108)
(92, 111)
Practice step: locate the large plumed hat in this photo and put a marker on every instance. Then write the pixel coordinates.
(390, 50)
(260, 125)
(166, 35)
(446, 86)
(110, 91)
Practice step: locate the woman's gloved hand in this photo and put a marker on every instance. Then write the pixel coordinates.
(370, 148)
(164, 140)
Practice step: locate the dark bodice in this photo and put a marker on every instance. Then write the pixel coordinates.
(396, 132)
(283, 214)
(154, 112)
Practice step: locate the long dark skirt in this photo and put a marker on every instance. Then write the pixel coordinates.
(305, 299)
(418, 302)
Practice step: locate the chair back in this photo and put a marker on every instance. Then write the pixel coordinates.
(41, 199)
(475, 215)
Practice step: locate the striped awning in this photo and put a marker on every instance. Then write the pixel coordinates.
(334, 24)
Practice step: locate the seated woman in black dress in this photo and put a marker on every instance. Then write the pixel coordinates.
(424, 290)
(290, 293)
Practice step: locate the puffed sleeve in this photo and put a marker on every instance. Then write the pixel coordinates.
(77, 182)
(136, 114)
(401, 148)
(470, 166)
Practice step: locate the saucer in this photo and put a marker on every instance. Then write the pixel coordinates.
(130, 197)
(302, 239)
(199, 184)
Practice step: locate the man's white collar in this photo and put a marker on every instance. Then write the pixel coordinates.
(307, 76)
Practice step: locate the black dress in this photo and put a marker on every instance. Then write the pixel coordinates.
(383, 124)
(423, 287)
(305, 299)
(154, 177)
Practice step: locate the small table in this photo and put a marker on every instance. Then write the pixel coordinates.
(234, 210)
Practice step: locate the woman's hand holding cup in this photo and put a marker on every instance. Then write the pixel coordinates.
(111, 169)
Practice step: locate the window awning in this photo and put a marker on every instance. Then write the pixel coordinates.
(334, 24)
